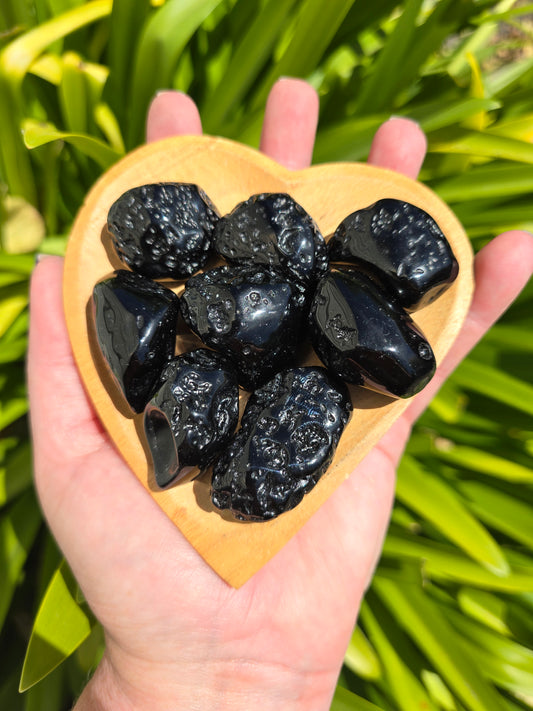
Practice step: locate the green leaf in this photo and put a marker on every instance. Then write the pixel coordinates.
(38, 134)
(18, 263)
(108, 124)
(74, 94)
(435, 501)
(503, 660)
(128, 18)
(14, 300)
(15, 472)
(18, 527)
(424, 623)
(438, 691)
(15, 60)
(248, 58)
(361, 658)
(501, 511)
(435, 116)
(345, 700)
(23, 229)
(495, 181)
(314, 27)
(60, 627)
(382, 83)
(163, 38)
(485, 607)
(440, 562)
(494, 383)
(483, 143)
(485, 463)
(510, 338)
(405, 688)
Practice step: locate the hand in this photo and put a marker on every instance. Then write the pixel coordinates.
(176, 635)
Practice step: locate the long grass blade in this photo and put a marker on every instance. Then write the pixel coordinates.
(496, 181)
(485, 463)
(435, 501)
(483, 143)
(406, 689)
(162, 41)
(485, 607)
(15, 60)
(422, 620)
(345, 700)
(314, 27)
(501, 511)
(60, 626)
(382, 83)
(18, 528)
(15, 472)
(248, 59)
(495, 384)
(361, 657)
(444, 563)
(38, 134)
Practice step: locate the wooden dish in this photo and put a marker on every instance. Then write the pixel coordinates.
(229, 173)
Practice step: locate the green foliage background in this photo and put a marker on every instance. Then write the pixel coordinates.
(448, 622)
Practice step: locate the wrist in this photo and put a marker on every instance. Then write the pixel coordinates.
(232, 686)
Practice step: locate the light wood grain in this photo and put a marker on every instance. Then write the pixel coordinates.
(230, 173)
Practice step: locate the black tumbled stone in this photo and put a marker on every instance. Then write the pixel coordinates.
(404, 243)
(193, 414)
(365, 337)
(163, 229)
(135, 324)
(273, 230)
(288, 436)
(251, 315)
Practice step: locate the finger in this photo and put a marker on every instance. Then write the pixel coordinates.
(502, 269)
(400, 145)
(289, 126)
(172, 113)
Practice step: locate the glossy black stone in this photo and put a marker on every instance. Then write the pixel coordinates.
(404, 243)
(273, 230)
(135, 324)
(163, 229)
(288, 436)
(251, 315)
(193, 414)
(365, 337)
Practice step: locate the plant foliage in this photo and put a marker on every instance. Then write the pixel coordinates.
(447, 623)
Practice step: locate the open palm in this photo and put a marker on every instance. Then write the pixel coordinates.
(174, 630)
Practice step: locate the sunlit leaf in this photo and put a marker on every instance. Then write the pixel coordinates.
(405, 687)
(60, 627)
(494, 383)
(18, 527)
(163, 38)
(437, 502)
(422, 620)
(499, 510)
(345, 700)
(361, 658)
(487, 608)
(38, 134)
(441, 562)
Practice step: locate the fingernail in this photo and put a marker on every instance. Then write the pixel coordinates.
(395, 117)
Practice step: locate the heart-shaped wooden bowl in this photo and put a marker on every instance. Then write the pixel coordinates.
(229, 173)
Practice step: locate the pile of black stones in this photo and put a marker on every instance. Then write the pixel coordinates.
(281, 287)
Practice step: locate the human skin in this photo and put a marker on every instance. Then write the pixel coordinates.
(177, 636)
